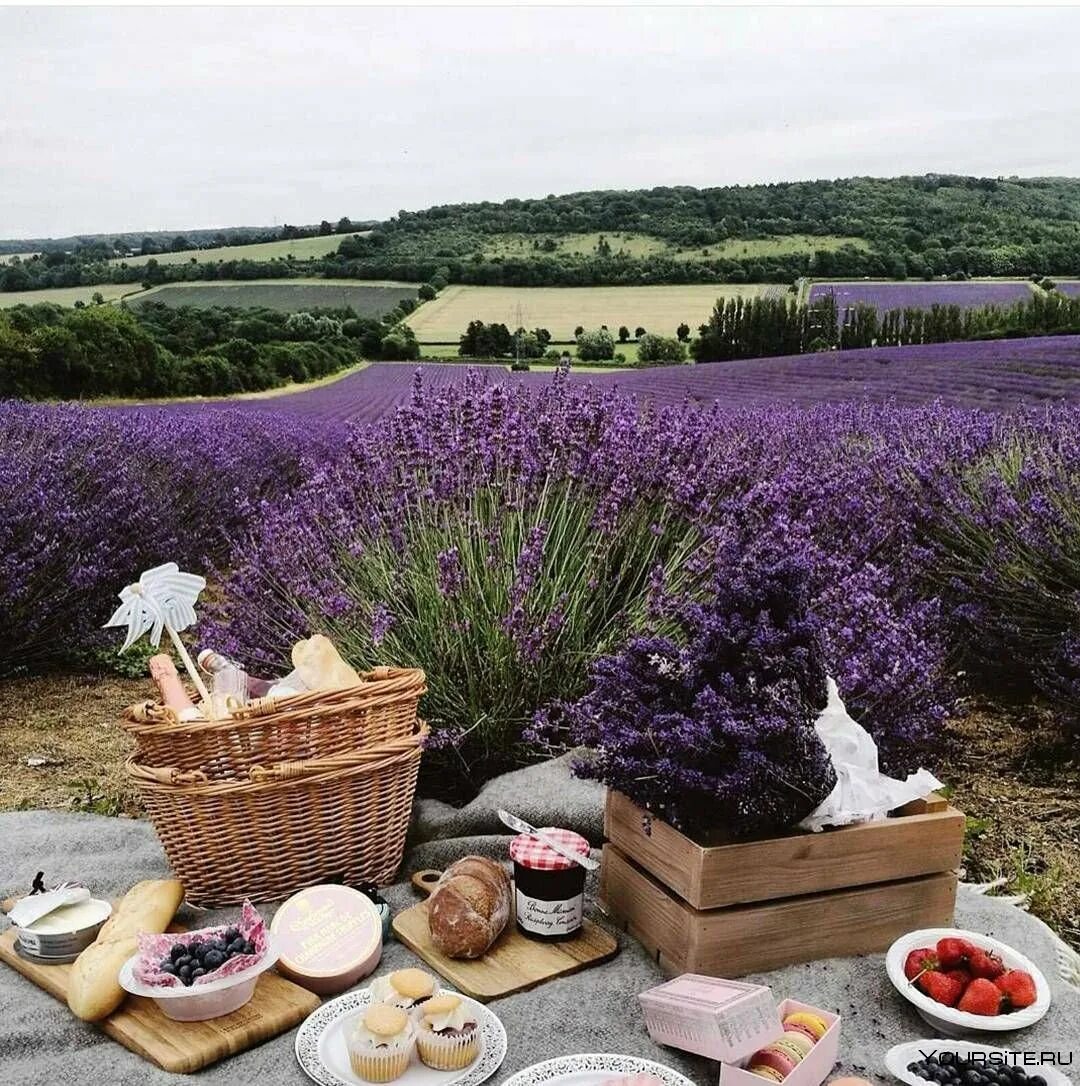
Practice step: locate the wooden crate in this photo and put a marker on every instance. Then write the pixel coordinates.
(741, 939)
(924, 838)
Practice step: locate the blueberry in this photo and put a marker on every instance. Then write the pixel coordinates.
(177, 951)
(200, 972)
(168, 967)
(231, 935)
(249, 947)
(1037, 1080)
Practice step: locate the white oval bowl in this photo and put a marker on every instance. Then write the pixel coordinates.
(949, 1020)
(202, 1001)
(899, 1056)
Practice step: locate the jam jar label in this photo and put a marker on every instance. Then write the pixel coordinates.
(550, 917)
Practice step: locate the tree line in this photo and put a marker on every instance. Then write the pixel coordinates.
(48, 351)
(907, 227)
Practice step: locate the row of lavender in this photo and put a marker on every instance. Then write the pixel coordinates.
(993, 374)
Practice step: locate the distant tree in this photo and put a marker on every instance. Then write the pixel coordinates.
(426, 292)
(543, 337)
(682, 333)
(652, 348)
(527, 345)
(344, 225)
(325, 228)
(595, 346)
(400, 345)
(220, 240)
(180, 243)
(79, 303)
(301, 326)
(639, 332)
(603, 248)
(441, 279)
(549, 245)
(97, 298)
(624, 333)
(578, 330)
(148, 246)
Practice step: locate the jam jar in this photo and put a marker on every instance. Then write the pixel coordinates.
(549, 889)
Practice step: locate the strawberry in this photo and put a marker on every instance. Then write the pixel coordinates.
(919, 961)
(942, 988)
(962, 976)
(984, 964)
(1018, 988)
(952, 951)
(982, 997)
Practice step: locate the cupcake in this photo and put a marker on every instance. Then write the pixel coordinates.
(447, 1035)
(404, 988)
(381, 1044)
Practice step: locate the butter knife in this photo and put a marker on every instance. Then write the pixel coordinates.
(522, 826)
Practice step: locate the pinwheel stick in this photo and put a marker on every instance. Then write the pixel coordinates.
(208, 704)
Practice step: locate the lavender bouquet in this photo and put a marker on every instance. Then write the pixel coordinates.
(713, 728)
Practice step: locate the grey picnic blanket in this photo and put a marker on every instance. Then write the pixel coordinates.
(41, 1044)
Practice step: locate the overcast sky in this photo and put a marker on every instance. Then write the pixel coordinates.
(165, 118)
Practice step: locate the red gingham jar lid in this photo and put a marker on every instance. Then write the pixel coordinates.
(536, 856)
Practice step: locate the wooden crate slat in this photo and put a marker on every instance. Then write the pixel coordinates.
(710, 877)
(743, 939)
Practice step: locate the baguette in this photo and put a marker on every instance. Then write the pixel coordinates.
(93, 987)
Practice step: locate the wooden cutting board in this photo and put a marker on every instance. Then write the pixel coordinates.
(181, 1047)
(513, 964)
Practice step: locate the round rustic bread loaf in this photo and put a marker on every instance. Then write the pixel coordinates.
(469, 907)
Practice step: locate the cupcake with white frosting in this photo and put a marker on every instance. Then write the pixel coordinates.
(381, 1043)
(447, 1033)
(405, 988)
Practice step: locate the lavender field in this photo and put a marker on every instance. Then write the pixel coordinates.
(886, 296)
(1070, 290)
(997, 375)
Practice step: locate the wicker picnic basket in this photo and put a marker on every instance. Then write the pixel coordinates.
(287, 792)
(266, 731)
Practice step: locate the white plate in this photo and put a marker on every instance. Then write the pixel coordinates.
(324, 1057)
(948, 1019)
(898, 1058)
(593, 1068)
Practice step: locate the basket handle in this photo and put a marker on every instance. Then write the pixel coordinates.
(164, 775)
(291, 771)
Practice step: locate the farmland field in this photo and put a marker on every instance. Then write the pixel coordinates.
(368, 299)
(562, 309)
(298, 248)
(998, 375)
(885, 296)
(67, 295)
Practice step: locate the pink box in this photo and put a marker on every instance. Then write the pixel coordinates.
(812, 1071)
(723, 1019)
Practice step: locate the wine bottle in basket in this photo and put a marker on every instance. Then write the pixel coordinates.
(163, 672)
(230, 680)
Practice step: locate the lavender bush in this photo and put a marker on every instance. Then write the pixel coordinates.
(90, 497)
(713, 728)
(501, 537)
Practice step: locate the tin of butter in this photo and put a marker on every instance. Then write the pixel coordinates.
(330, 937)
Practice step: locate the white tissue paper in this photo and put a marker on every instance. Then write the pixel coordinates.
(862, 793)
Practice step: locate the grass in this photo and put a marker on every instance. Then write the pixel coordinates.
(297, 248)
(645, 245)
(68, 295)
(561, 309)
(367, 297)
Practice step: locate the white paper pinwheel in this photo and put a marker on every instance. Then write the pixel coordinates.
(163, 599)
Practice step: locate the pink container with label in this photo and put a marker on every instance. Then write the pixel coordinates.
(725, 1020)
(813, 1070)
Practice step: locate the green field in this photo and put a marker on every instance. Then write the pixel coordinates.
(368, 299)
(297, 248)
(561, 309)
(68, 295)
(644, 245)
